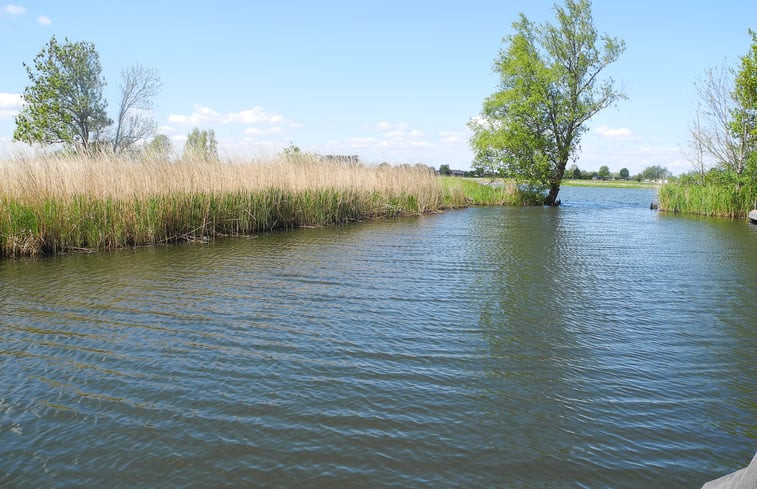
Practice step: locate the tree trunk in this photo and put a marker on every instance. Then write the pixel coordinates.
(551, 199)
(556, 178)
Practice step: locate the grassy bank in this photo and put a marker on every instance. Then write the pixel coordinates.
(476, 191)
(53, 205)
(714, 200)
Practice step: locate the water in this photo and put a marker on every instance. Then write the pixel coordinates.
(596, 345)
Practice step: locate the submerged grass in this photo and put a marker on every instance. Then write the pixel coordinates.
(714, 200)
(53, 205)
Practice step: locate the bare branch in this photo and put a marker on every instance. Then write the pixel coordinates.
(138, 86)
(714, 132)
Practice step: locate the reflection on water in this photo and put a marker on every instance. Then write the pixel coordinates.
(599, 344)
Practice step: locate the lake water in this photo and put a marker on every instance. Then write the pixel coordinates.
(594, 345)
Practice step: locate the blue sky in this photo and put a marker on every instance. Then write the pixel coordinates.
(392, 81)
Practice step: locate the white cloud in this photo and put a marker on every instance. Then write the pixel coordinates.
(202, 115)
(256, 115)
(10, 105)
(10, 100)
(11, 9)
(392, 138)
(391, 126)
(397, 134)
(256, 131)
(451, 137)
(611, 132)
(44, 20)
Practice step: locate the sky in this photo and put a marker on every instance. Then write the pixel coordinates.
(390, 81)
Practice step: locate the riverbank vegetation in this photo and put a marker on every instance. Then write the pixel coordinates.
(719, 195)
(483, 191)
(54, 204)
(723, 146)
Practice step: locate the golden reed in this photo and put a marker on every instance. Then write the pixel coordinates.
(52, 204)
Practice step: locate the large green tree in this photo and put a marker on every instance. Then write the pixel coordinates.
(549, 87)
(64, 102)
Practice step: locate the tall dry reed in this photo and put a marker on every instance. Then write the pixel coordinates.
(52, 204)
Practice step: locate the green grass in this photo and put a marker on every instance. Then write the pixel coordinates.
(59, 225)
(477, 191)
(715, 200)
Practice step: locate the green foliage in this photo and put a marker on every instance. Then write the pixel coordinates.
(159, 147)
(201, 145)
(604, 172)
(655, 172)
(445, 170)
(291, 151)
(549, 87)
(624, 173)
(64, 102)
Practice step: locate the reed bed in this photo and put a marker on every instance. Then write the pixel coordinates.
(53, 204)
(714, 200)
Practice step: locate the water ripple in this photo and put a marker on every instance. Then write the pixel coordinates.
(595, 345)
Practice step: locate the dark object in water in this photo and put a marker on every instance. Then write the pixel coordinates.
(741, 479)
(753, 216)
(653, 206)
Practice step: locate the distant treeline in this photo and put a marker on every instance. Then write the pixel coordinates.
(650, 173)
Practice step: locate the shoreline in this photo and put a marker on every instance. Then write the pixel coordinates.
(610, 184)
(51, 205)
